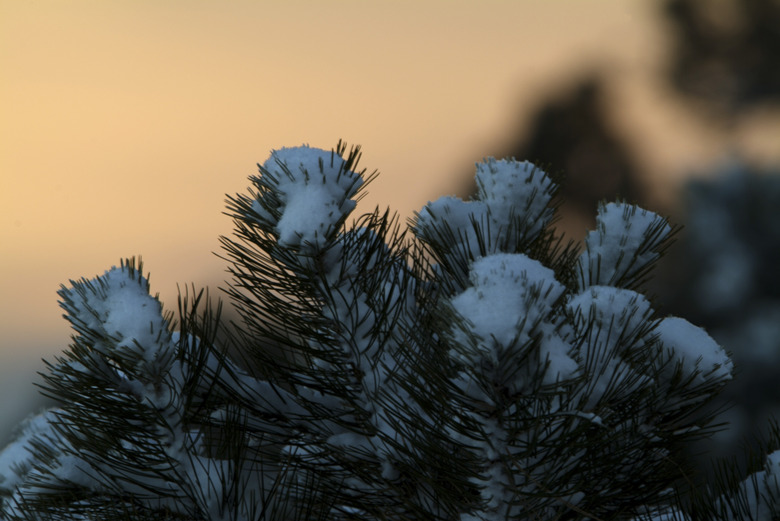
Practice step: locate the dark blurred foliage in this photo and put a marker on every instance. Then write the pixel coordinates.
(723, 275)
(571, 136)
(726, 53)
(731, 245)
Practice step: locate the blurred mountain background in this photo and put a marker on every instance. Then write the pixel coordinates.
(123, 128)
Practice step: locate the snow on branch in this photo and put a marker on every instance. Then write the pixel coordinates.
(305, 193)
(511, 208)
(625, 243)
(468, 370)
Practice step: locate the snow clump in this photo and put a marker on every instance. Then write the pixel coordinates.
(623, 245)
(308, 193)
(508, 307)
(116, 314)
(693, 350)
(512, 206)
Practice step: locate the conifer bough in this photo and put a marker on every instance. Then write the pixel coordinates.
(470, 367)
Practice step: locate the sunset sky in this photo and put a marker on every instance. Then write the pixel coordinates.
(124, 124)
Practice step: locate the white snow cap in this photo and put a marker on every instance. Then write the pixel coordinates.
(511, 298)
(118, 305)
(607, 307)
(516, 189)
(694, 349)
(512, 203)
(760, 491)
(457, 215)
(610, 318)
(499, 298)
(314, 189)
(17, 457)
(624, 242)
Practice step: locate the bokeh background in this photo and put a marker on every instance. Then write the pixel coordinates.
(124, 124)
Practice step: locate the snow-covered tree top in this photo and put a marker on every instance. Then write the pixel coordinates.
(693, 350)
(475, 371)
(117, 313)
(622, 247)
(516, 190)
(511, 206)
(311, 193)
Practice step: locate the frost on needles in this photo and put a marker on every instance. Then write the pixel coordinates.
(472, 366)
